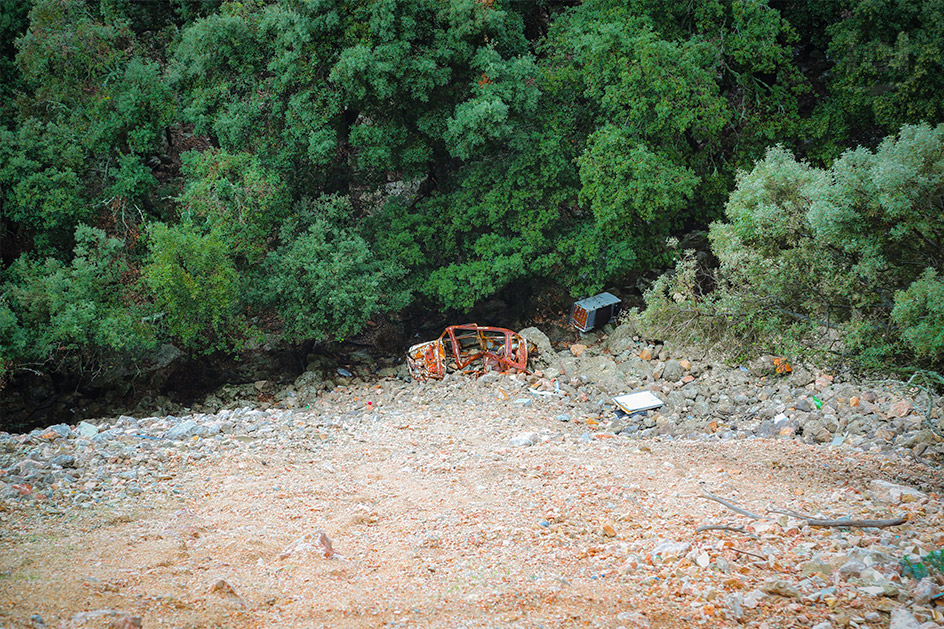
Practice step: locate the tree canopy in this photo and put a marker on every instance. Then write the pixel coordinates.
(201, 172)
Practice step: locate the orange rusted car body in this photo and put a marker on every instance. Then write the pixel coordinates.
(472, 349)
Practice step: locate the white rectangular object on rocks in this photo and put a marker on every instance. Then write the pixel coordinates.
(641, 401)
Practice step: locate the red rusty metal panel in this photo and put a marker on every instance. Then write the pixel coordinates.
(425, 360)
(579, 317)
(495, 348)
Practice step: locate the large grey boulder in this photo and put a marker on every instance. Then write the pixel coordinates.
(622, 339)
(636, 366)
(545, 356)
(673, 371)
(603, 371)
(184, 430)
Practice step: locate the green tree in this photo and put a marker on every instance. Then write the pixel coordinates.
(14, 18)
(496, 221)
(94, 117)
(67, 56)
(72, 316)
(678, 96)
(322, 279)
(233, 195)
(888, 64)
(629, 186)
(255, 78)
(41, 170)
(421, 72)
(459, 149)
(194, 285)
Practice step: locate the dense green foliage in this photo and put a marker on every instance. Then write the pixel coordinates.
(852, 253)
(322, 279)
(194, 283)
(71, 316)
(201, 172)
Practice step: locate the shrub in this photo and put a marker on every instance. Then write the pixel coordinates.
(71, 315)
(811, 255)
(194, 285)
(233, 195)
(919, 314)
(323, 280)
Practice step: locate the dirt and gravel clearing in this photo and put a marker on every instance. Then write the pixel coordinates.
(435, 520)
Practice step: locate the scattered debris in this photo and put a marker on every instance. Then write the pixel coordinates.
(669, 549)
(725, 527)
(425, 481)
(525, 439)
(748, 553)
(223, 588)
(812, 521)
(780, 587)
(809, 519)
(598, 310)
(316, 543)
(496, 348)
(116, 619)
(641, 401)
(709, 496)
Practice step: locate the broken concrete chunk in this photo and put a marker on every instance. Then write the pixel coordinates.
(669, 549)
(184, 429)
(925, 590)
(903, 619)
(317, 544)
(753, 598)
(63, 460)
(58, 431)
(851, 568)
(803, 404)
(780, 587)
(900, 408)
(86, 429)
(883, 492)
(525, 439)
(673, 371)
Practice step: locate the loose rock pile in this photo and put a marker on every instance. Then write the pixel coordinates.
(122, 457)
(554, 426)
(703, 401)
(708, 400)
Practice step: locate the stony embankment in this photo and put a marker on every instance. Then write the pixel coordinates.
(703, 401)
(832, 577)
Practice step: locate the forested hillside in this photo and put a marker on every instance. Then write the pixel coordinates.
(198, 173)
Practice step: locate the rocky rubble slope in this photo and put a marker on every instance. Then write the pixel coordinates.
(704, 400)
(832, 577)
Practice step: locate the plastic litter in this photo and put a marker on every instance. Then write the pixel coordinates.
(639, 401)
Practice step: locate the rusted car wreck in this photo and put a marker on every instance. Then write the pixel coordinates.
(473, 349)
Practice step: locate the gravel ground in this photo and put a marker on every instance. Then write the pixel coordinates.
(457, 504)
